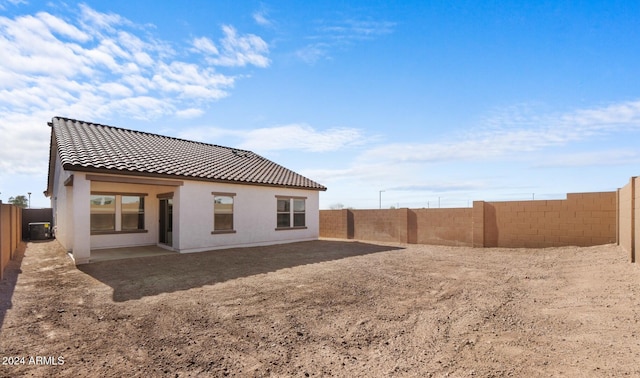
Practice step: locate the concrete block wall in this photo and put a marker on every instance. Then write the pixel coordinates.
(628, 215)
(422, 226)
(595, 215)
(635, 223)
(444, 226)
(335, 224)
(383, 225)
(583, 219)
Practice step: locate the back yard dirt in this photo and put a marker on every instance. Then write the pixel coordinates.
(325, 308)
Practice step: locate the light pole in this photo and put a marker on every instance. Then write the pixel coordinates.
(380, 199)
(29, 199)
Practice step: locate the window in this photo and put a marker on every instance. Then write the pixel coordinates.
(132, 213)
(298, 213)
(112, 213)
(103, 213)
(284, 213)
(290, 212)
(223, 213)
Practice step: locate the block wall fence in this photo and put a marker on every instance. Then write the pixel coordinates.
(10, 234)
(583, 219)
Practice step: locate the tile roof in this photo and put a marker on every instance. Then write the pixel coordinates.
(85, 146)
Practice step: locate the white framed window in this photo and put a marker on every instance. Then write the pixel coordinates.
(132, 217)
(290, 213)
(299, 217)
(223, 213)
(117, 212)
(103, 213)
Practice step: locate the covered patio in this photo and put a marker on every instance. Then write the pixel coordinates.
(108, 254)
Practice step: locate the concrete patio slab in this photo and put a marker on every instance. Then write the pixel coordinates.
(128, 252)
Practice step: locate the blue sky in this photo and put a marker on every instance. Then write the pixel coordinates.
(431, 102)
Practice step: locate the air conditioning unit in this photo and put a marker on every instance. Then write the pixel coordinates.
(40, 231)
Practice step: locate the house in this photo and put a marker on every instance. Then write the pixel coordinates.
(111, 187)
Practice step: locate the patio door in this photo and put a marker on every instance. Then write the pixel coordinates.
(166, 221)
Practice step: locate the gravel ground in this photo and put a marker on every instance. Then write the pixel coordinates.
(324, 308)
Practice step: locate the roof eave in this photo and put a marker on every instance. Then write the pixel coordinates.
(53, 152)
(80, 168)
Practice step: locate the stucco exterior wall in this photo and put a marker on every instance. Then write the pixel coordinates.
(254, 216)
(62, 206)
(151, 215)
(254, 212)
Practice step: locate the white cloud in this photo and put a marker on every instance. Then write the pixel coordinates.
(142, 107)
(438, 186)
(622, 156)
(311, 54)
(609, 118)
(512, 133)
(235, 50)
(329, 36)
(95, 66)
(189, 113)
(240, 50)
(356, 29)
(287, 137)
(116, 89)
(16, 2)
(98, 22)
(57, 25)
(24, 146)
(191, 81)
(205, 45)
(300, 137)
(479, 160)
(261, 18)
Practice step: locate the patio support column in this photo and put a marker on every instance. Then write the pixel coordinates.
(81, 219)
(177, 218)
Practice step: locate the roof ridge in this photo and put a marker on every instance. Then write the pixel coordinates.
(233, 149)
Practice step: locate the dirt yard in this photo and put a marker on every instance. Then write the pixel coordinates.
(325, 308)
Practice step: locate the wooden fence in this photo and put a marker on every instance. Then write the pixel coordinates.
(10, 234)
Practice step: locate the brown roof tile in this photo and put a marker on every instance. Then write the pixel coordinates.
(85, 146)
